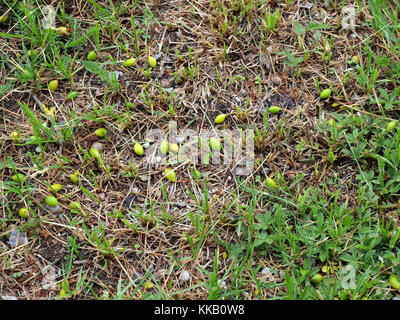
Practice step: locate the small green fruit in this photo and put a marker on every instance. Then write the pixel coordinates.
(130, 62)
(91, 56)
(101, 132)
(174, 147)
(53, 85)
(72, 95)
(51, 201)
(220, 118)
(270, 183)
(138, 148)
(56, 187)
(147, 285)
(19, 177)
(94, 153)
(74, 177)
(23, 213)
(394, 282)
(3, 18)
(274, 109)
(325, 94)
(316, 279)
(152, 61)
(215, 144)
(391, 126)
(75, 205)
(164, 147)
(170, 174)
(355, 60)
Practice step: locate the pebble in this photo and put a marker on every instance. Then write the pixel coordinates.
(170, 89)
(266, 271)
(135, 190)
(237, 99)
(158, 56)
(128, 201)
(97, 145)
(222, 284)
(17, 238)
(53, 209)
(184, 277)
(240, 171)
(164, 82)
(144, 178)
(146, 145)
(37, 149)
(102, 196)
(114, 74)
(307, 5)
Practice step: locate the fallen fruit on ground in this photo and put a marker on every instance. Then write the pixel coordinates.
(316, 279)
(94, 153)
(270, 183)
(147, 285)
(355, 60)
(394, 282)
(74, 177)
(91, 56)
(130, 62)
(51, 201)
(19, 177)
(138, 148)
(174, 147)
(220, 118)
(325, 94)
(56, 187)
(75, 205)
(391, 126)
(23, 213)
(215, 144)
(274, 109)
(53, 85)
(152, 61)
(101, 132)
(170, 174)
(72, 95)
(164, 147)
